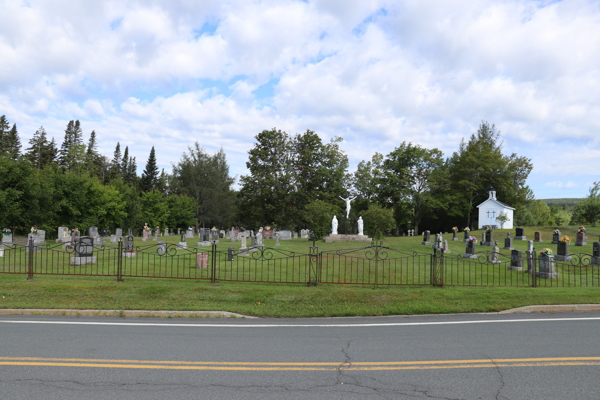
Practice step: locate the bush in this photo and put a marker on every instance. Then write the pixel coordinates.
(378, 221)
(318, 215)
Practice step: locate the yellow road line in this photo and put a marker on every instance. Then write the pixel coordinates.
(390, 363)
(323, 366)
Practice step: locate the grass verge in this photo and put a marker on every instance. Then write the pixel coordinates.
(272, 300)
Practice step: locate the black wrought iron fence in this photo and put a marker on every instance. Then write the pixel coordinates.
(371, 265)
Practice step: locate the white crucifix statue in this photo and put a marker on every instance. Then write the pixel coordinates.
(347, 200)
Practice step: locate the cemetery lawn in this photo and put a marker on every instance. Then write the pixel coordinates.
(292, 300)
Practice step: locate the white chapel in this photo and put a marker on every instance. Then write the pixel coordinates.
(492, 208)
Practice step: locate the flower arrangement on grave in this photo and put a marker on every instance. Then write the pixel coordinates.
(75, 230)
(545, 252)
(6, 230)
(489, 229)
(146, 227)
(556, 231)
(455, 229)
(34, 229)
(565, 239)
(466, 229)
(581, 229)
(473, 239)
(157, 227)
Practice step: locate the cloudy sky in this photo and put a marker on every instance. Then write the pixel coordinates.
(168, 73)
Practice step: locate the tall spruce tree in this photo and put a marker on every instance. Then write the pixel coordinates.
(150, 174)
(66, 145)
(92, 156)
(13, 143)
(41, 152)
(4, 125)
(125, 163)
(115, 169)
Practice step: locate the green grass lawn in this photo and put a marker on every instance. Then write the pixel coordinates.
(299, 300)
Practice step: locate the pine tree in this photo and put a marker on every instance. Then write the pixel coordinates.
(131, 171)
(92, 156)
(124, 163)
(3, 134)
(13, 143)
(150, 174)
(66, 145)
(77, 139)
(39, 144)
(115, 169)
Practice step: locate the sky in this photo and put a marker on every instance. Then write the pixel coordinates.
(376, 73)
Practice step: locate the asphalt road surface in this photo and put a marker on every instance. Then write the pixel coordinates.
(518, 356)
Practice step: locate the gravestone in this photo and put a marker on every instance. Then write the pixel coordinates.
(129, 232)
(581, 239)
(520, 234)
(547, 267)
(128, 247)
(489, 238)
(495, 252)
(1, 250)
(285, 235)
(470, 250)
(277, 239)
(596, 253)
(6, 236)
(454, 238)
(156, 233)
(189, 233)
(145, 233)
(222, 234)
(166, 232)
(259, 239)
(537, 237)
(446, 249)
(516, 260)
(201, 260)
(230, 253)
(161, 248)
(294, 235)
(556, 237)
(63, 235)
(42, 236)
(438, 241)
(508, 244)
(105, 233)
(113, 239)
(426, 238)
(75, 235)
(92, 231)
(530, 255)
(562, 252)
(243, 246)
(482, 240)
(466, 236)
(182, 242)
(84, 252)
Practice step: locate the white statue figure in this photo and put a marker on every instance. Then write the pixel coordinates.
(347, 200)
(360, 226)
(334, 225)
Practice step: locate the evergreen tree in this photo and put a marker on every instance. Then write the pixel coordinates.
(125, 162)
(150, 174)
(131, 176)
(115, 169)
(38, 146)
(3, 134)
(77, 138)
(66, 145)
(92, 155)
(13, 143)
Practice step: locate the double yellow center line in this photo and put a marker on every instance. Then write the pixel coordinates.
(298, 366)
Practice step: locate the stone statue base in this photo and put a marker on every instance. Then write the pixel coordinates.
(347, 238)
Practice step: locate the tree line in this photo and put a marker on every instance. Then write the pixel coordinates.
(76, 186)
(295, 181)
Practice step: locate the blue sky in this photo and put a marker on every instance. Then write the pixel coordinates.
(169, 73)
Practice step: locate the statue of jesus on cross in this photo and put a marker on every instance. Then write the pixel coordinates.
(347, 200)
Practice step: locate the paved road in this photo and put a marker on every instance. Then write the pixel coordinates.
(529, 356)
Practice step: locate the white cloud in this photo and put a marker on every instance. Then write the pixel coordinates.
(374, 72)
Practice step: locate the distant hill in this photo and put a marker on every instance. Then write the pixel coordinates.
(560, 202)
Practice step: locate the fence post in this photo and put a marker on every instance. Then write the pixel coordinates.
(120, 260)
(30, 260)
(533, 268)
(213, 262)
(313, 265)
